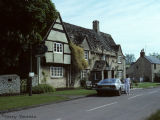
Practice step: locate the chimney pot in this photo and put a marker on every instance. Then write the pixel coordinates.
(96, 26)
(142, 53)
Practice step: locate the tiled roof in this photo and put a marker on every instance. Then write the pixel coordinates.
(153, 59)
(96, 40)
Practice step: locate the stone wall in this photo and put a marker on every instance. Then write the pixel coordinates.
(9, 84)
(54, 82)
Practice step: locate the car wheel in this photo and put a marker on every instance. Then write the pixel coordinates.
(99, 92)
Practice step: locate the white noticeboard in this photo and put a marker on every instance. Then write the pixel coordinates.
(31, 74)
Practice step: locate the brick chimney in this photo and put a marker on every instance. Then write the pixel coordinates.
(142, 53)
(96, 26)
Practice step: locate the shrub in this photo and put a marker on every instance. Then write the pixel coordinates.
(155, 116)
(157, 78)
(135, 82)
(146, 79)
(83, 82)
(42, 88)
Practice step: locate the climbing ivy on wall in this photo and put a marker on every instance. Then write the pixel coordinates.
(78, 61)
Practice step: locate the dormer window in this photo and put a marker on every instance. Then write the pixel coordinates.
(86, 56)
(58, 47)
(119, 59)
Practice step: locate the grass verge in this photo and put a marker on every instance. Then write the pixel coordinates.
(76, 92)
(146, 85)
(12, 102)
(155, 116)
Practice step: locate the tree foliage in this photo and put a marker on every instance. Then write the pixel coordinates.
(130, 58)
(78, 61)
(23, 22)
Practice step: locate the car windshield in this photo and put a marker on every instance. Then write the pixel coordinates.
(108, 81)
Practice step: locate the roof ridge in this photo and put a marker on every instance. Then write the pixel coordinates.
(86, 28)
(96, 40)
(76, 26)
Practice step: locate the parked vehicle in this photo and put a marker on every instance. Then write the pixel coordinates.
(110, 85)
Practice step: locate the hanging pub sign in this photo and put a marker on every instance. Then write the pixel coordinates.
(40, 49)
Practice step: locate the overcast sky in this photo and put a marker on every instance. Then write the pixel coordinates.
(134, 24)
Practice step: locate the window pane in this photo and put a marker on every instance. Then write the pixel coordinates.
(60, 48)
(55, 47)
(119, 59)
(56, 71)
(86, 55)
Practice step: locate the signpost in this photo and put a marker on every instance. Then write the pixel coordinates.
(39, 52)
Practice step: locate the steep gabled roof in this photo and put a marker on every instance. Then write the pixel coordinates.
(96, 40)
(153, 59)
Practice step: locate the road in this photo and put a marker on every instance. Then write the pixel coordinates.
(137, 106)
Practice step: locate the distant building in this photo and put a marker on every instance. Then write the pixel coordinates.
(146, 68)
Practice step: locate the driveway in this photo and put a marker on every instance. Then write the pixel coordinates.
(137, 106)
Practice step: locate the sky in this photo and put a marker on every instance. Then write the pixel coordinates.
(134, 24)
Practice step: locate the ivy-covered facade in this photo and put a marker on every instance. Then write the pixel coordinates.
(104, 56)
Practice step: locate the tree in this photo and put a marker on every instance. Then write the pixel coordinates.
(157, 55)
(23, 23)
(130, 58)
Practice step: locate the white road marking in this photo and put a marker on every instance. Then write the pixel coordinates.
(58, 119)
(101, 106)
(135, 96)
(153, 92)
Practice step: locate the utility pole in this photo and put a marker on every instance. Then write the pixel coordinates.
(31, 74)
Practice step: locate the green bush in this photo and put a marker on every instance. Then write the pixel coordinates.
(155, 116)
(42, 88)
(83, 83)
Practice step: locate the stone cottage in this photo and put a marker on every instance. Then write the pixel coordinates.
(146, 68)
(55, 65)
(104, 56)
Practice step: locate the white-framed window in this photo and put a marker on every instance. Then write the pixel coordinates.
(58, 47)
(119, 59)
(84, 74)
(56, 71)
(119, 74)
(86, 55)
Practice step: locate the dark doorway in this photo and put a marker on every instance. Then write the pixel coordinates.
(105, 74)
(112, 73)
